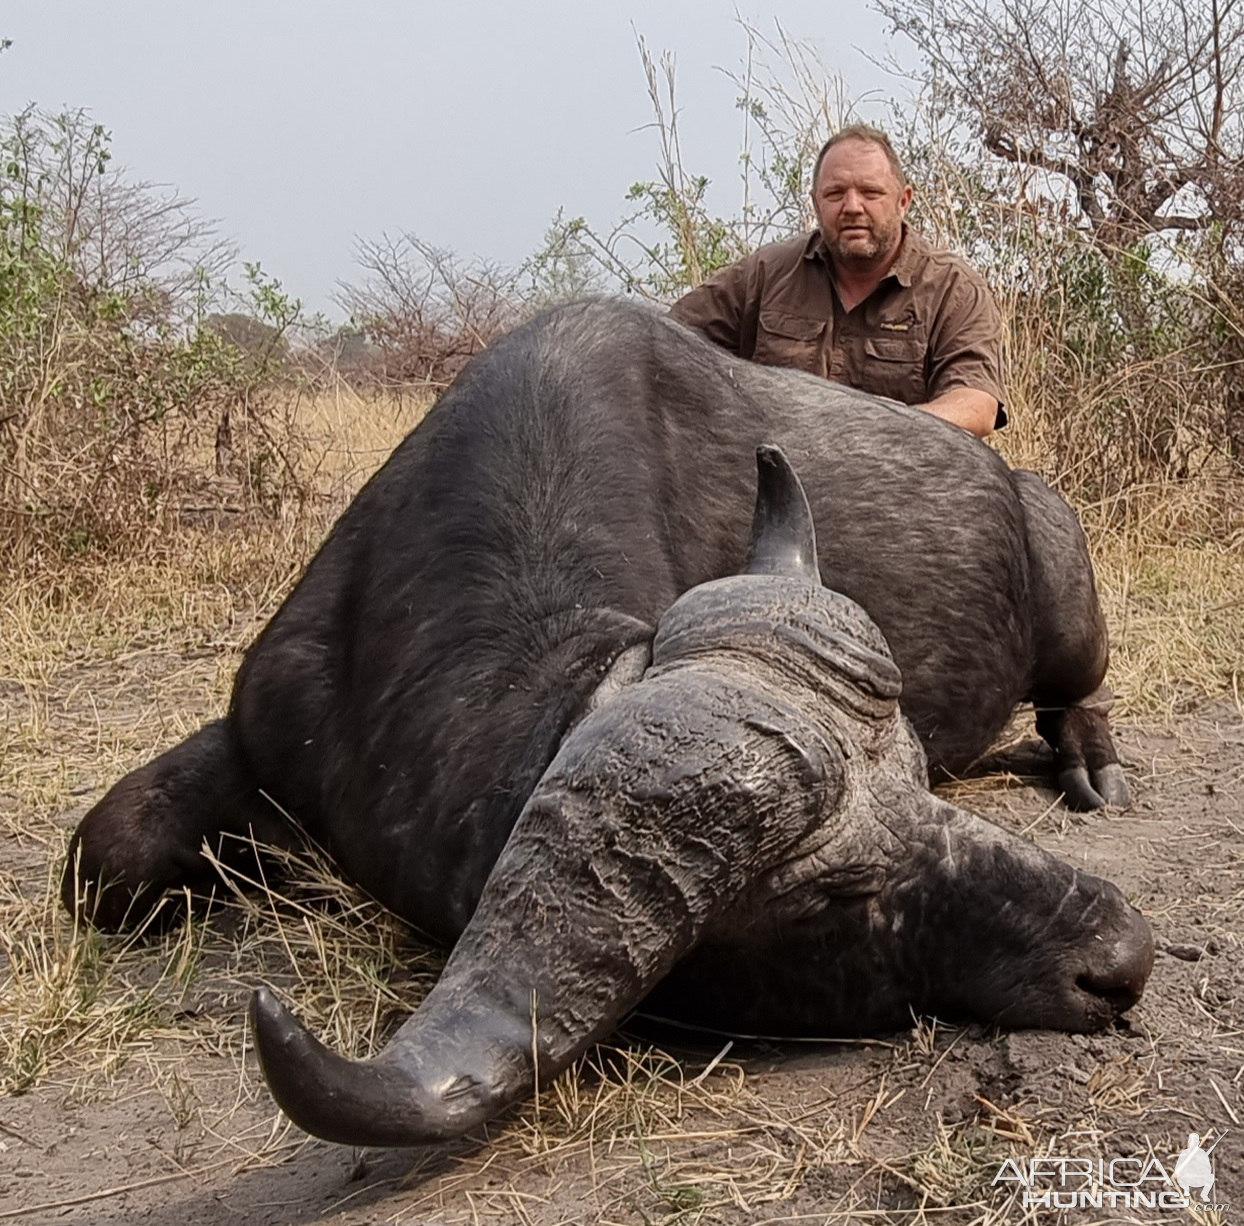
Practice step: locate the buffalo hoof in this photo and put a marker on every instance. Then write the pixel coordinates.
(1106, 786)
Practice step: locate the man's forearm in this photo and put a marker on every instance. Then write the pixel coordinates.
(974, 410)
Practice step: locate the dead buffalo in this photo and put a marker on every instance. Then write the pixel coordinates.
(487, 700)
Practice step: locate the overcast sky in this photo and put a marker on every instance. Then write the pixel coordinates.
(303, 126)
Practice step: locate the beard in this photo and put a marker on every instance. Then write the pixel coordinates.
(857, 249)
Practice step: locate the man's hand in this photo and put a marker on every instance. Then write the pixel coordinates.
(974, 410)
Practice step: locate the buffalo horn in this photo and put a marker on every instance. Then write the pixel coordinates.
(783, 537)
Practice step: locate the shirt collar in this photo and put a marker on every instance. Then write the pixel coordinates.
(911, 255)
(815, 248)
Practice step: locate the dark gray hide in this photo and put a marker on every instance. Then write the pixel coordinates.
(756, 807)
(498, 585)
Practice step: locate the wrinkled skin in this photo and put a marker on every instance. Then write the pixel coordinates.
(747, 831)
(456, 701)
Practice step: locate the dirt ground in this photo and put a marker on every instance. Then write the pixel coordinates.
(178, 1129)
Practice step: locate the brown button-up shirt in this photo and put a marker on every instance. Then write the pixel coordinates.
(930, 326)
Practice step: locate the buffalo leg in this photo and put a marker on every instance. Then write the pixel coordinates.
(147, 833)
(1071, 652)
(1085, 761)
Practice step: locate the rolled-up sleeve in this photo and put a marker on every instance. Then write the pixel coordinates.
(965, 342)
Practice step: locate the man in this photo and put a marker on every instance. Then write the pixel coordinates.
(864, 300)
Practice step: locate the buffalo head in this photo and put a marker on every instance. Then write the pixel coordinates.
(744, 837)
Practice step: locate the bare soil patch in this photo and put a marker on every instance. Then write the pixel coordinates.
(147, 1106)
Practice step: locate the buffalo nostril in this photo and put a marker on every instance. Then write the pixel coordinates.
(1120, 996)
(1122, 966)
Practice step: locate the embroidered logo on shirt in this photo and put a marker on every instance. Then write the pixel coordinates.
(894, 325)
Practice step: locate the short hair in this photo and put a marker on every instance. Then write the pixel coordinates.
(870, 135)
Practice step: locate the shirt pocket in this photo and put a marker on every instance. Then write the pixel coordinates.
(894, 366)
(796, 341)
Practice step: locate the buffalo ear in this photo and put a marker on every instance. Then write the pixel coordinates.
(783, 536)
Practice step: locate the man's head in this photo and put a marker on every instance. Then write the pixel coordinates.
(861, 197)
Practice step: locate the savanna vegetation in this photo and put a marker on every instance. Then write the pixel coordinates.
(173, 446)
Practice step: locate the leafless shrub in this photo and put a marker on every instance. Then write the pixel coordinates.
(1126, 111)
(425, 312)
(1091, 157)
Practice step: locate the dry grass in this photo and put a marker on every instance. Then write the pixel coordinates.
(103, 665)
(1176, 613)
(1169, 558)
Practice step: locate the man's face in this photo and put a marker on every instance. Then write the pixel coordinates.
(860, 205)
